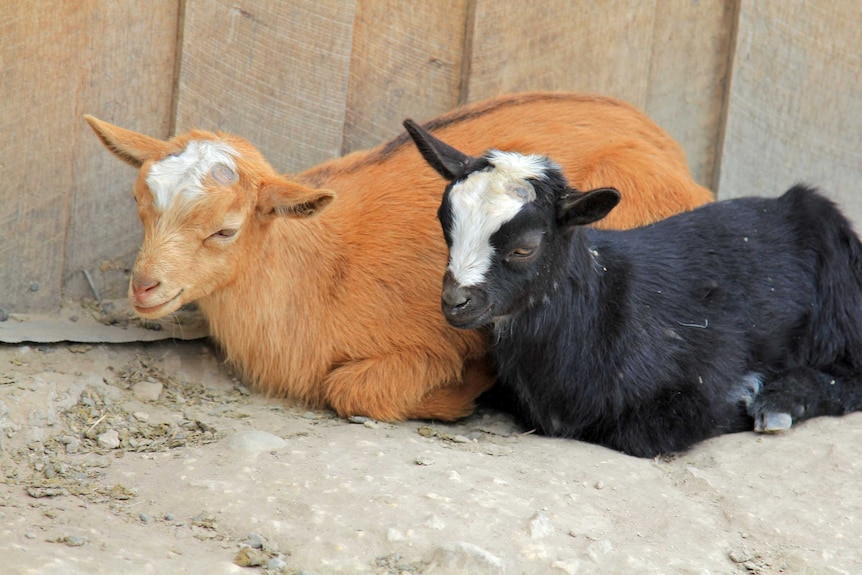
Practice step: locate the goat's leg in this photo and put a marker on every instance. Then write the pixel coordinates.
(405, 385)
(672, 420)
(801, 393)
(456, 399)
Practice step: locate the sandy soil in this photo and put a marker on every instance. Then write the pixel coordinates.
(152, 458)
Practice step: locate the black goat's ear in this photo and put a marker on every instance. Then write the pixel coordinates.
(583, 208)
(449, 162)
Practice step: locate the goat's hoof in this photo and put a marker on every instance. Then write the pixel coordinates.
(772, 422)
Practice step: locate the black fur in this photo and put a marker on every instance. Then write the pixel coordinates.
(744, 313)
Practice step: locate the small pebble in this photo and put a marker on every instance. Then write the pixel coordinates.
(460, 439)
(141, 416)
(276, 564)
(394, 535)
(423, 460)
(434, 522)
(463, 557)
(255, 541)
(358, 419)
(144, 517)
(169, 517)
(109, 440)
(540, 526)
(147, 390)
(599, 485)
(597, 550)
(739, 556)
(72, 444)
(370, 424)
(248, 557)
(74, 540)
(4, 315)
(309, 415)
(29, 535)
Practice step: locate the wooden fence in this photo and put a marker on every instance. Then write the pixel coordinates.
(761, 93)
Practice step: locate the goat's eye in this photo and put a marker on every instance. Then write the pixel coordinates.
(224, 234)
(522, 252)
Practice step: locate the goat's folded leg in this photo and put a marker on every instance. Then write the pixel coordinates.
(406, 385)
(801, 393)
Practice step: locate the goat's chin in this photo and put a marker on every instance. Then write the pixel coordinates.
(474, 321)
(158, 310)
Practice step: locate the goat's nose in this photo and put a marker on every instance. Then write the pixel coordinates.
(454, 295)
(142, 286)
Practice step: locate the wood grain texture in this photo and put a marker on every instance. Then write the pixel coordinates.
(275, 73)
(126, 77)
(64, 201)
(406, 62)
(687, 85)
(576, 45)
(667, 57)
(795, 104)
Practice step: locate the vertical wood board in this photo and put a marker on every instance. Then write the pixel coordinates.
(126, 68)
(795, 105)
(565, 45)
(57, 198)
(667, 57)
(34, 106)
(406, 62)
(275, 73)
(688, 73)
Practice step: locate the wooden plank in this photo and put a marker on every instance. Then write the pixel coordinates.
(35, 194)
(406, 62)
(562, 45)
(795, 104)
(58, 208)
(124, 76)
(667, 57)
(689, 66)
(275, 73)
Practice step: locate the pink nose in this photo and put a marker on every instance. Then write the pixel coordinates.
(143, 287)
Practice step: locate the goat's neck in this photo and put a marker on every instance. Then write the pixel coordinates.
(284, 276)
(565, 297)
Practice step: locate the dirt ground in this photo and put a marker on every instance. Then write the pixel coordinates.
(153, 458)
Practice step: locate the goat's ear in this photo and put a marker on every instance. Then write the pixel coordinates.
(583, 208)
(131, 147)
(449, 162)
(284, 198)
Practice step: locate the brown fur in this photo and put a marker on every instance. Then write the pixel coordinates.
(330, 292)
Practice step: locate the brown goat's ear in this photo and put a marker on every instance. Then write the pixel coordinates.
(131, 147)
(583, 208)
(291, 200)
(449, 162)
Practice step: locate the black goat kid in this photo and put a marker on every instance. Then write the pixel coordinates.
(743, 313)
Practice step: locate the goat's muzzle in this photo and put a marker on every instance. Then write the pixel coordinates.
(464, 307)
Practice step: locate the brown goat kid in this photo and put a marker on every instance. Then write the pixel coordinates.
(325, 286)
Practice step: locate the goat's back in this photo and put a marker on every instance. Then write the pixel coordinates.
(598, 142)
(773, 273)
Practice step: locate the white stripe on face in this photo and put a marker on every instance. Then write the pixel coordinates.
(182, 175)
(481, 204)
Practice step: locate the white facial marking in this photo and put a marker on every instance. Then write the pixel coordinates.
(182, 175)
(481, 204)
